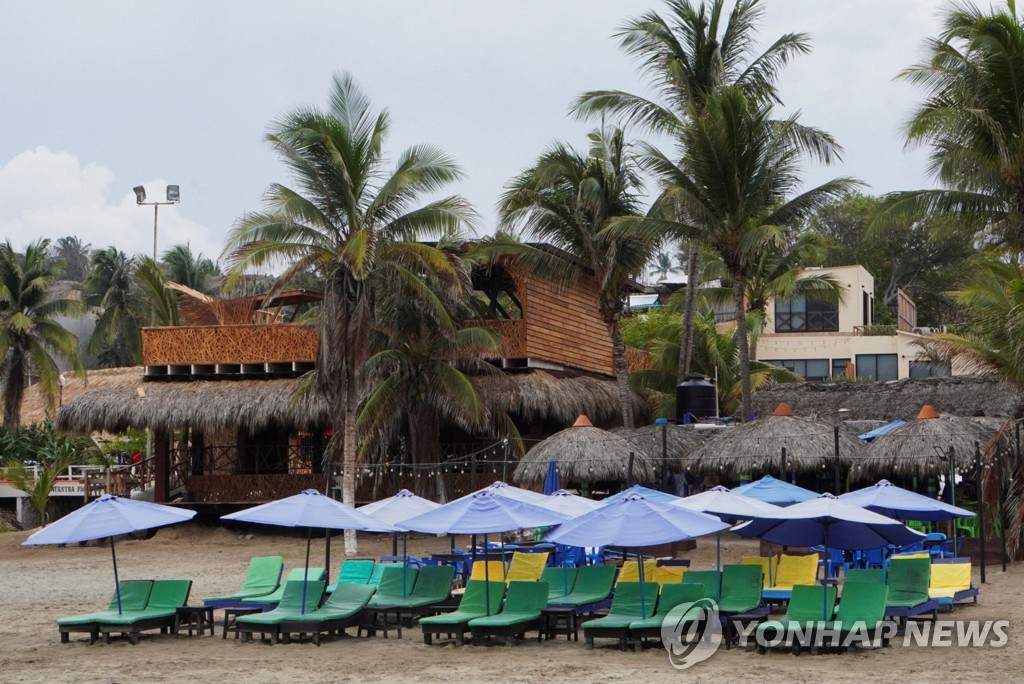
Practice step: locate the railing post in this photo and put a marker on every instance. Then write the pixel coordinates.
(161, 467)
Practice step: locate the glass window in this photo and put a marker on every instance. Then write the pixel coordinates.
(877, 366)
(808, 369)
(927, 369)
(801, 314)
(839, 367)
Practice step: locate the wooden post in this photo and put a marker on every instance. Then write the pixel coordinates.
(161, 467)
(979, 485)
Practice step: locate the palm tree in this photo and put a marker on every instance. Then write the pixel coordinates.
(663, 266)
(973, 121)
(688, 56)
(110, 286)
(31, 340)
(191, 270)
(565, 199)
(73, 256)
(160, 299)
(356, 224)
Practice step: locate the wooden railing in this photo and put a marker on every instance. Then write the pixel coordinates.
(228, 344)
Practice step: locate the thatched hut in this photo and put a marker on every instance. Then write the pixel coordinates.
(679, 442)
(585, 454)
(917, 447)
(781, 442)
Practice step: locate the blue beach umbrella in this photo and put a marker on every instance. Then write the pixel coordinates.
(773, 491)
(310, 509)
(551, 484)
(646, 492)
(569, 504)
(401, 506)
(902, 504)
(511, 492)
(108, 516)
(728, 506)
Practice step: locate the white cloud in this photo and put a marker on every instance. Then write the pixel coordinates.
(52, 194)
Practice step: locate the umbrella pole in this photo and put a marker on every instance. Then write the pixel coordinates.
(327, 557)
(640, 571)
(487, 574)
(718, 550)
(824, 580)
(394, 543)
(405, 561)
(504, 568)
(305, 575)
(117, 584)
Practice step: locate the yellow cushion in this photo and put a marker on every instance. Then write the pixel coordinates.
(763, 562)
(495, 569)
(668, 574)
(794, 570)
(527, 567)
(630, 571)
(949, 578)
(904, 556)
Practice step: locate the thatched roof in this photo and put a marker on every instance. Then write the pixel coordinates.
(537, 395)
(680, 442)
(913, 448)
(962, 395)
(757, 447)
(584, 454)
(34, 408)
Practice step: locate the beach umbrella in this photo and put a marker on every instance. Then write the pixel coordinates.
(484, 512)
(879, 431)
(667, 443)
(779, 443)
(551, 483)
(569, 504)
(108, 516)
(902, 504)
(512, 492)
(401, 506)
(778, 492)
(585, 454)
(646, 492)
(635, 521)
(310, 509)
(829, 522)
(728, 506)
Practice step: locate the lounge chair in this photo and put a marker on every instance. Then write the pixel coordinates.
(167, 596)
(793, 571)
(485, 571)
(769, 567)
(593, 587)
(520, 614)
(397, 584)
(908, 580)
(630, 571)
(711, 580)
(378, 572)
(134, 596)
(667, 574)
(809, 607)
(290, 607)
(269, 601)
(951, 583)
(865, 576)
(262, 578)
(672, 595)
(862, 611)
(560, 582)
(433, 586)
(354, 571)
(632, 601)
(479, 595)
(526, 567)
(741, 589)
(341, 610)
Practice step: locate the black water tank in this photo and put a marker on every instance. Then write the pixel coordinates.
(697, 397)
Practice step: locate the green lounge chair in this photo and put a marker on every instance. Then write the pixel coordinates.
(710, 579)
(165, 599)
(908, 580)
(865, 576)
(397, 584)
(593, 587)
(475, 601)
(672, 595)
(632, 601)
(134, 596)
(741, 589)
(378, 572)
(862, 612)
(354, 571)
(808, 609)
(561, 582)
(341, 610)
(269, 601)
(520, 614)
(261, 578)
(433, 586)
(290, 607)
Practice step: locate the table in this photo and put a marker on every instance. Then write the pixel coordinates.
(560, 620)
(198, 618)
(232, 614)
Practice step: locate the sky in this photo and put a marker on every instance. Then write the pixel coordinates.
(101, 96)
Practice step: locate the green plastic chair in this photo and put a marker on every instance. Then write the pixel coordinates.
(593, 585)
(809, 607)
(520, 614)
(294, 575)
(632, 601)
(354, 571)
(741, 588)
(478, 597)
(263, 577)
(710, 579)
(561, 581)
(291, 606)
(967, 527)
(922, 526)
(134, 596)
(342, 609)
(164, 600)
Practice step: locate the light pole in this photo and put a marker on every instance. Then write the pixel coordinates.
(61, 381)
(173, 197)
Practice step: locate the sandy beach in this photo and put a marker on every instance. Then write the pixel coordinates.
(41, 584)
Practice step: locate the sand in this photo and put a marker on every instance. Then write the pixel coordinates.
(40, 584)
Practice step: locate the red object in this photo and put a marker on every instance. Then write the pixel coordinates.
(136, 457)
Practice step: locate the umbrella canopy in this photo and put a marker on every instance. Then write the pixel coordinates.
(108, 516)
(679, 442)
(646, 492)
(512, 492)
(778, 492)
(584, 454)
(879, 431)
(757, 446)
(634, 521)
(902, 504)
(912, 448)
(726, 504)
(570, 505)
(829, 521)
(401, 506)
(483, 512)
(551, 483)
(311, 509)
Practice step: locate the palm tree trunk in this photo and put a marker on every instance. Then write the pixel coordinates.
(739, 292)
(621, 370)
(686, 338)
(14, 389)
(348, 463)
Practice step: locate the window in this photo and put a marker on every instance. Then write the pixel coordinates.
(809, 369)
(927, 369)
(839, 367)
(867, 308)
(877, 366)
(801, 314)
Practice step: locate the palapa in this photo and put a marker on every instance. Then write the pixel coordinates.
(584, 454)
(680, 442)
(757, 447)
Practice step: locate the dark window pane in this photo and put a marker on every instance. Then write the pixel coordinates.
(888, 367)
(817, 369)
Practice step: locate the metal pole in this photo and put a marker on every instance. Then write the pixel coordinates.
(305, 574)
(117, 584)
(156, 209)
(835, 454)
(664, 456)
(472, 473)
(979, 485)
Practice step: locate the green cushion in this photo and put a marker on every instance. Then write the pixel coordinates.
(291, 606)
(433, 585)
(908, 581)
(354, 571)
(560, 580)
(864, 602)
(524, 603)
(475, 601)
(396, 583)
(865, 576)
(741, 588)
(134, 596)
(261, 578)
(378, 572)
(166, 597)
(809, 605)
(711, 579)
(294, 575)
(346, 601)
(632, 601)
(593, 583)
(672, 595)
